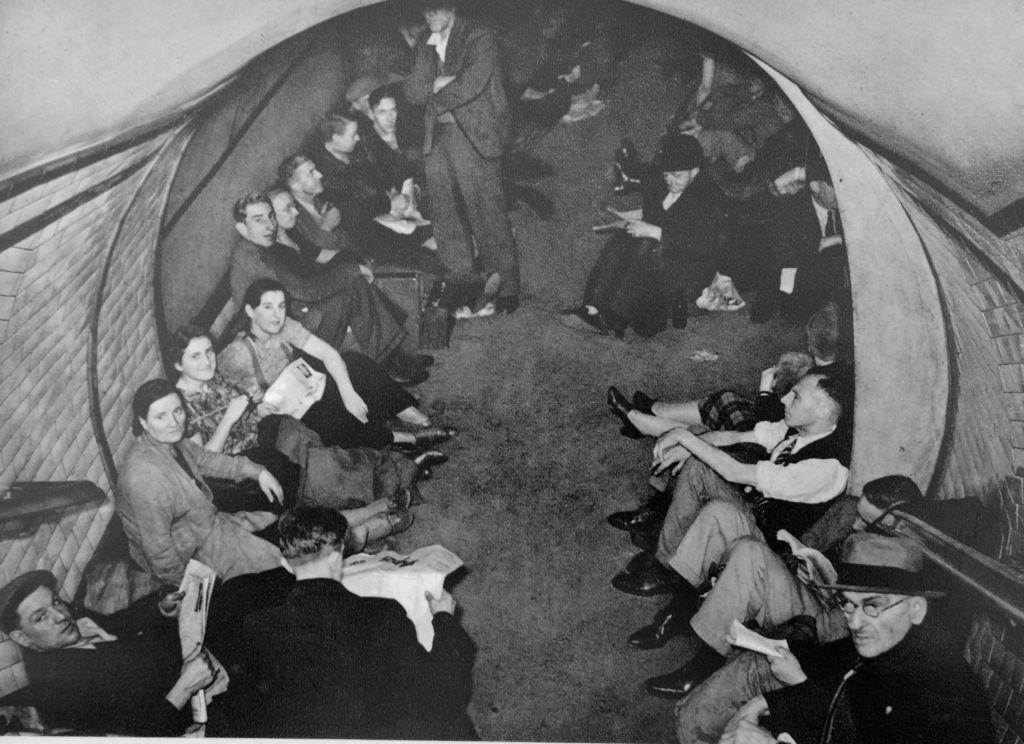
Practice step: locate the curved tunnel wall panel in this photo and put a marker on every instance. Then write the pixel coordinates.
(257, 122)
(902, 374)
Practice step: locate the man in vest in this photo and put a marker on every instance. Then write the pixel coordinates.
(718, 499)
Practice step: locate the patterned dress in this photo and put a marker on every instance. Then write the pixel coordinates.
(205, 411)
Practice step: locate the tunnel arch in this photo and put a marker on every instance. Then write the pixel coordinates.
(79, 228)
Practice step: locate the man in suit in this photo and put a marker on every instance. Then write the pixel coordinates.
(125, 677)
(457, 78)
(327, 663)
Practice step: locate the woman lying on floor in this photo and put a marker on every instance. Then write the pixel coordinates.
(359, 398)
(221, 419)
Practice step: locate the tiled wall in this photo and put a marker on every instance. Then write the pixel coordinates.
(50, 284)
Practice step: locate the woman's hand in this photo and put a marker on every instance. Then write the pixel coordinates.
(236, 408)
(271, 487)
(330, 219)
(639, 229)
(170, 601)
(355, 405)
(786, 668)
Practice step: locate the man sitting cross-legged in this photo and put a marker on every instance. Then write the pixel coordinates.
(701, 716)
(807, 469)
(85, 678)
(899, 677)
(327, 663)
(758, 584)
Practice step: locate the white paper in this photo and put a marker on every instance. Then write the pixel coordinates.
(743, 637)
(404, 578)
(787, 280)
(197, 584)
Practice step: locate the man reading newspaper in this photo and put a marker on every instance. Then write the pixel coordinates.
(328, 663)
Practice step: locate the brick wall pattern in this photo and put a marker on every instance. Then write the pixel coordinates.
(52, 278)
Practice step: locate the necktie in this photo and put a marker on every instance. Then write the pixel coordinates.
(830, 224)
(786, 453)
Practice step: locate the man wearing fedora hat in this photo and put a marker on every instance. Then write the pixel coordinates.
(659, 263)
(125, 678)
(899, 677)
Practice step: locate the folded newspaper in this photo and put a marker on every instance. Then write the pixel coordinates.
(405, 578)
(743, 637)
(197, 586)
(297, 388)
(410, 218)
(815, 568)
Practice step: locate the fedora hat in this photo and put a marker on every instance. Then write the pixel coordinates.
(888, 565)
(19, 588)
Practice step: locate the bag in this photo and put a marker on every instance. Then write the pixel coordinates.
(720, 295)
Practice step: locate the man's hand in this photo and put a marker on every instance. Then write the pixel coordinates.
(747, 733)
(747, 716)
(170, 601)
(767, 379)
(399, 204)
(271, 487)
(330, 219)
(196, 673)
(444, 603)
(640, 229)
(367, 272)
(441, 81)
(786, 668)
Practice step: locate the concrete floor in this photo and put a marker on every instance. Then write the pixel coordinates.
(539, 463)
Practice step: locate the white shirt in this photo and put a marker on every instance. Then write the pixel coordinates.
(811, 481)
(670, 199)
(440, 42)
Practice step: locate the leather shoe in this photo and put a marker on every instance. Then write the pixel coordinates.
(427, 437)
(643, 402)
(671, 621)
(407, 375)
(621, 407)
(646, 518)
(655, 580)
(681, 682)
(640, 562)
(646, 541)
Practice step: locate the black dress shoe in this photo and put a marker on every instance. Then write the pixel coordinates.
(646, 518)
(621, 407)
(655, 580)
(426, 438)
(646, 541)
(643, 402)
(407, 376)
(681, 682)
(640, 562)
(671, 621)
(429, 459)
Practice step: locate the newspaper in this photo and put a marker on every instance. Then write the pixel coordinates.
(404, 578)
(410, 218)
(197, 585)
(743, 637)
(297, 388)
(815, 568)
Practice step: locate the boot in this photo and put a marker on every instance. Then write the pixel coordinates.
(681, 682)
(376, 528)
(671, 620)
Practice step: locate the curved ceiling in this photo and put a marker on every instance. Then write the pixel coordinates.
(935, 84)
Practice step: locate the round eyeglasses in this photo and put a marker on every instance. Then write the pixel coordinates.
(871, 608)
